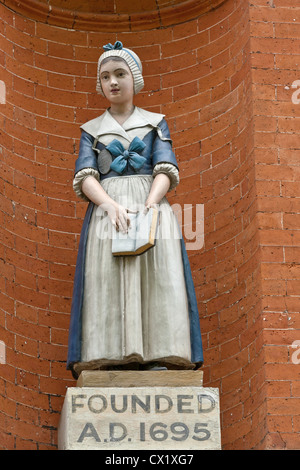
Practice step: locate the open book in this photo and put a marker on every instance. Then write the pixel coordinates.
(141, 234)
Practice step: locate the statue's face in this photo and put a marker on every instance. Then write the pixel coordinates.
(117, 82)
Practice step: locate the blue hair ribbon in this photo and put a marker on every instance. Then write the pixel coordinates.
(117, 45)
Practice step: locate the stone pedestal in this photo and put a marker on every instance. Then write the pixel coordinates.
(140, 410)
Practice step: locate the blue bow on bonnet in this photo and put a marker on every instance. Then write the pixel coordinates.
(123, 157)
(118, 45)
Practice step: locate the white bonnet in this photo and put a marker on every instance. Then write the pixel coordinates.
(131, 59)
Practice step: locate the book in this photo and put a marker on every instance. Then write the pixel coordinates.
(141, 235)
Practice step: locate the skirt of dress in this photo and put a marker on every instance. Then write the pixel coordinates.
(135, 308)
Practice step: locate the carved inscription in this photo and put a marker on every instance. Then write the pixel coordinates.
(138, 418)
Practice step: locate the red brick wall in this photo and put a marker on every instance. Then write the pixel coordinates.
(275, 50)
(199, 74)
(39, 225)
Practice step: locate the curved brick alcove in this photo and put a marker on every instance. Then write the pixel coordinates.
(115, 15)
(197, 72)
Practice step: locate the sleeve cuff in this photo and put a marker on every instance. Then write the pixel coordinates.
(79, 178)
(170, 170)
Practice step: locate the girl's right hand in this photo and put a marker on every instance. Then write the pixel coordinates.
(119, 215)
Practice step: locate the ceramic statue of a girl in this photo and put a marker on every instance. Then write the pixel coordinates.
(129, 312)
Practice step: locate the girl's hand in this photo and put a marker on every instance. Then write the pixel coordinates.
(119, 215)
(150, 204)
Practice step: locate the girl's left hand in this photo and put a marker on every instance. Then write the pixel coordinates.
(150, 204)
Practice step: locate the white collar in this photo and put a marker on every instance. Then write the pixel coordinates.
(107, 124)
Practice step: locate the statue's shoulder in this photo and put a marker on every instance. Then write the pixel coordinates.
(92, 126)
(153, 118)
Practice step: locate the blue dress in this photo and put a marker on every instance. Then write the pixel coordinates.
(140, 309)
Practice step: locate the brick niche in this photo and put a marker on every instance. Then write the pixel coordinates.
(223, 73)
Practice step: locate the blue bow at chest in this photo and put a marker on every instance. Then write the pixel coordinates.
(125, 157)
